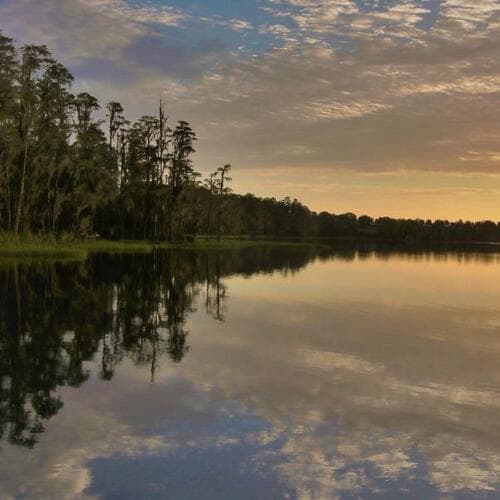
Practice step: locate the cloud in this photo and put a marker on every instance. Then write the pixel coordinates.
(176, 59)
(470, 13)
(240, 25)
(131, 39)
(78, 28)
(409, 84)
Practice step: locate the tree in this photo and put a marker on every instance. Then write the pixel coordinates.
(222, 190)
(63, 170)
(34, 58)
(115, 121)
(9, 137)
(94, 167)
(52, 152)
(180, 171)
(210, 185)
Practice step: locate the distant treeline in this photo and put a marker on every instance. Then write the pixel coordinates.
(290, 219)
(63, 171)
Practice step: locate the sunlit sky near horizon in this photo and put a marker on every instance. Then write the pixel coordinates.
(384, 107)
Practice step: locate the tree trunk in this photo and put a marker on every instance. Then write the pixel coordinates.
(218, 223)
(20, 201)
(209, 215)
(7, 193)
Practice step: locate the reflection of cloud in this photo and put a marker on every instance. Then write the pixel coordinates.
(58, 467)
(315, 474)
(380, 392)
(330, 361)
(101, 425)
(356, 397)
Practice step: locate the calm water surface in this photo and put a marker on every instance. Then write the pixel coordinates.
(262, 373)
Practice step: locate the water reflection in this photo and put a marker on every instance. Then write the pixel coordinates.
(371, 372)
(56, 316)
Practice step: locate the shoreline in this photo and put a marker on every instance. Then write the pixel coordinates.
(80, 249)
(40, 247)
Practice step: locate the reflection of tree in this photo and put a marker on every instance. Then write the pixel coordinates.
(32, 361)
(215, 292)
(54, 317)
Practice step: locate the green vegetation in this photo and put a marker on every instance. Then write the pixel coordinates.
(36, 246)
(12, 245)
(77, 181)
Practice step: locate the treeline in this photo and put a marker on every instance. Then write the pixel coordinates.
(64, 171)
(271, 218)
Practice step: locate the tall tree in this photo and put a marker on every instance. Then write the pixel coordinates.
(34, 58)
(115, 121)
(181, 171)
(8, 131)
(51, 159)
(222, 180)
(94, 169)
(210, 185)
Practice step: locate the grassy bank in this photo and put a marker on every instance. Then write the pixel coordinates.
(33, 246)
(12, 245)
(37, 246)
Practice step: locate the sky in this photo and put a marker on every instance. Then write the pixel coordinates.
(380, 107)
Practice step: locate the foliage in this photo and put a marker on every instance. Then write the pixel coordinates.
(61, 174)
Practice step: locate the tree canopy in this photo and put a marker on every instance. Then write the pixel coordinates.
(64, 170)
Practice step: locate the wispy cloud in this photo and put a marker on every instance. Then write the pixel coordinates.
(411, 83)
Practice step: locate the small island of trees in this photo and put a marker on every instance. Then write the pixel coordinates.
(65, 172)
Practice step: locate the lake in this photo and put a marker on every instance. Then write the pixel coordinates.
(259, 373)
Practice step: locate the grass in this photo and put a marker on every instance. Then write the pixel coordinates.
(34, 246)
(12, 245)
(118, 246)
